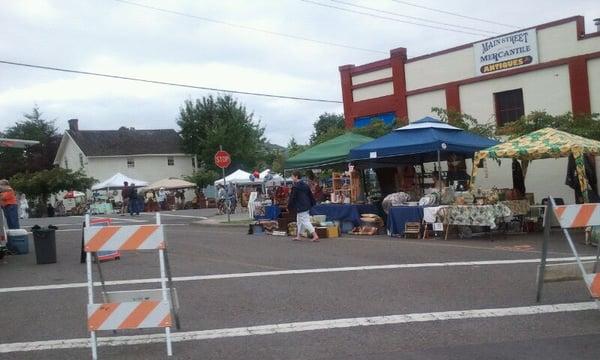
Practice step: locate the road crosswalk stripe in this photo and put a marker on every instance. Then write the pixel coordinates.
(301, 326)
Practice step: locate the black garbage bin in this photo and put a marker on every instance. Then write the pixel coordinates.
(44, 240)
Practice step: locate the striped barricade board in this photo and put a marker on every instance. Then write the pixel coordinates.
(578, 216)
(131, 237)
(129, 315)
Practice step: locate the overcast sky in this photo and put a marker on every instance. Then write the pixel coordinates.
(113, 37)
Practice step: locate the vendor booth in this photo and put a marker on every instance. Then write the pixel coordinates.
(341, 196)
(542, 144)
(551, 143)
(394, 156)
(116, 182)
(112, 185)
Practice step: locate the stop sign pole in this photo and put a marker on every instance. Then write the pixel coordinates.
(223, 166)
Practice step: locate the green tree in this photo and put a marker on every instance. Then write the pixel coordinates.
(40, 185)
(293, 148)
(328, 123)
(203, 177)
(465, 122)
(209, 122)
(278, 163)
(33, 158)
(377, 128)
(587, 126)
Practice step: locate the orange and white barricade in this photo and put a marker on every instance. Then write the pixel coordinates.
(135, 309)
(570, 217)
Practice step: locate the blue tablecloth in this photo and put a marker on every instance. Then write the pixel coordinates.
(344, 212)
(272, 212)
(400, 215)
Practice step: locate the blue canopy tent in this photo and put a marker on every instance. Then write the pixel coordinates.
(422, 141)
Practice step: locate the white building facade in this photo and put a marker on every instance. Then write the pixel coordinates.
(553, 67)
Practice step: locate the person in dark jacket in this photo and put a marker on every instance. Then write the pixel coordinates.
(133, 201)
(302, 200)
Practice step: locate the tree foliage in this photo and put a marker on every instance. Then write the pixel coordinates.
(209, 122)
(203, 177)
(377, 128)
(465, 122)
(327, 123)
(33, 158)
(587, 126)
(293, 148)
(40, 185)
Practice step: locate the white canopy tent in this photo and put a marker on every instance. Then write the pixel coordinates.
(274, 178)
(238, 177)
(116, 182)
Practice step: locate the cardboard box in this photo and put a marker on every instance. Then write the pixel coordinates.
(327, 232)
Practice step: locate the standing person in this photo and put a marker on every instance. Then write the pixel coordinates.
(221, 194)
(232, 197)
(302, 200)
(8, 201)
(162, 198)
(133, 201)
(125, 198)
(23, 207)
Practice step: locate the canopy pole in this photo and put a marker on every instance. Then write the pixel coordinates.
(439, 171)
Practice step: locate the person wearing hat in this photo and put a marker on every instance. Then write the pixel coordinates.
(8, 202)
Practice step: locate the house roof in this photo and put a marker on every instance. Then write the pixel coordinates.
(127, 142)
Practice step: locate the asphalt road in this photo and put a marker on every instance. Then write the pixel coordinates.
(266, 297)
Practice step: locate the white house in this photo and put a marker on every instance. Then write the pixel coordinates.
(148, 155)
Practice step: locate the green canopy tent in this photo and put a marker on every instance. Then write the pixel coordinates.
(331, 152)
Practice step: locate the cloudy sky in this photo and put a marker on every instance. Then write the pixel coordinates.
(115, 37)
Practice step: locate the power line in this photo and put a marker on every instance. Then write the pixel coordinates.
(168, 83)
(264, 31)
(390, 18)
(411, 17)
(454, 14)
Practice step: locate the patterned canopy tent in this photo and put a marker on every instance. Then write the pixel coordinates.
(543, 144)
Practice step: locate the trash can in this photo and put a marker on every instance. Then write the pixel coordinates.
(44, 241)
(18, 241)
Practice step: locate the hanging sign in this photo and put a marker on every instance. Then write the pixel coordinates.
(506, 52)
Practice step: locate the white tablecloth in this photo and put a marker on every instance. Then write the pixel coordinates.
(430, 213)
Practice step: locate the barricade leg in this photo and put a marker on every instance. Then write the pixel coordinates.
(93, 342)
(540, 279)
(165, 298)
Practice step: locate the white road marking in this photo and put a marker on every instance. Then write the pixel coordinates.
(184, 216)
(293, 272)
(300, 326)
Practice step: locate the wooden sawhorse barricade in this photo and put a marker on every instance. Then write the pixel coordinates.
(137, 309)
(570, 217)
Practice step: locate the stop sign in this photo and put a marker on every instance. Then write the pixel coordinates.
(222, 159)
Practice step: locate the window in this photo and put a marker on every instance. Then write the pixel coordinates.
(130, 163)
(509, 106)
(170, 161)
(81, 160)
(66, 164)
